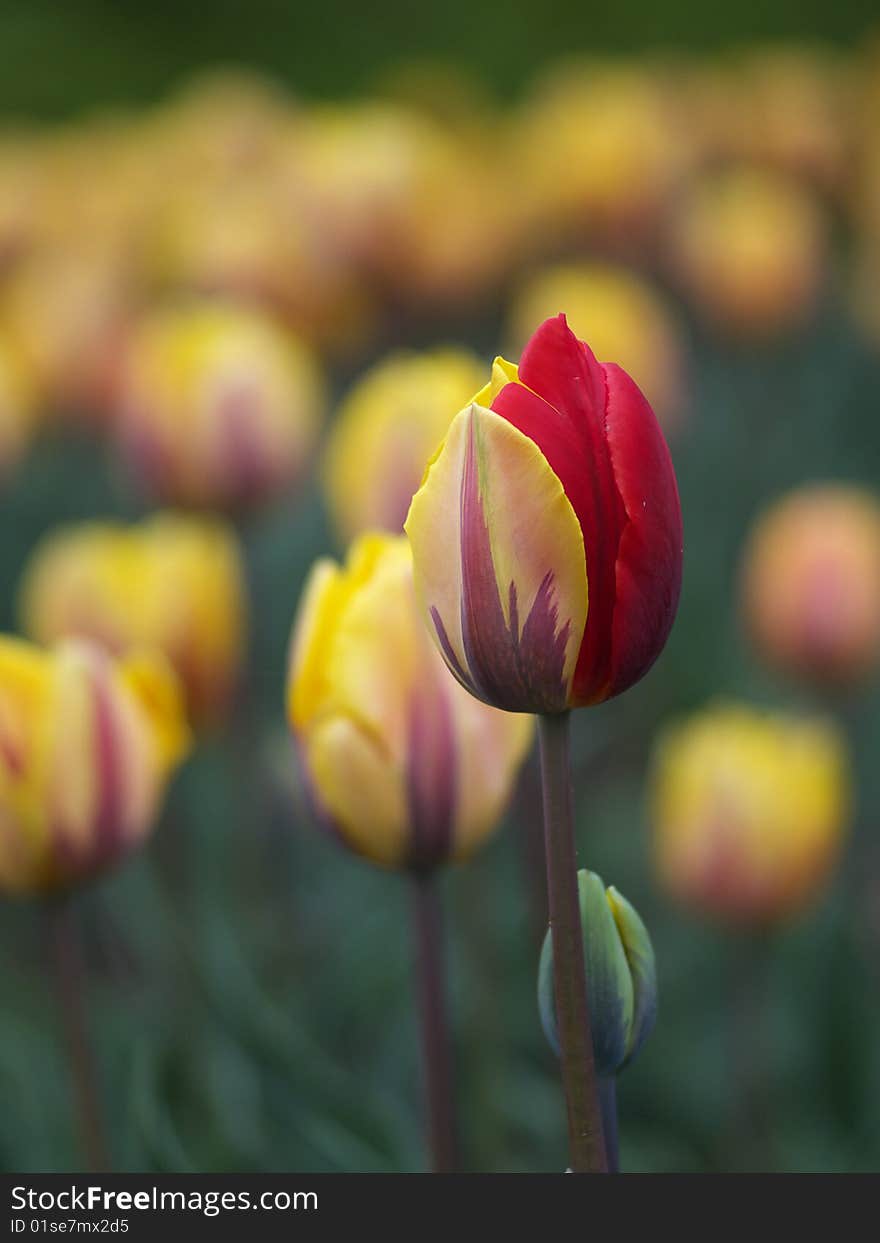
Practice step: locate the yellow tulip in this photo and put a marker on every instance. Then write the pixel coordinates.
(87, 745)
(218, 405)
(748, 245)
(599, 150)
(749, 811)
(385, 432)
(407, 767)
(621, 316)
(172, 582)
(811, 583)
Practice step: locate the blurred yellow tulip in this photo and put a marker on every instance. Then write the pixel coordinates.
(86, 748)
(218, 406)
(749, 811)
(748, 246)
(172, 582)
(401, 762)
(621, 316)
(599, 149)
(811, 583)
(386, 430)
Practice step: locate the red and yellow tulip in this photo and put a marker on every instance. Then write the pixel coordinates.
(547, 536)
(406, 767)
(172, 582)
(86, 748)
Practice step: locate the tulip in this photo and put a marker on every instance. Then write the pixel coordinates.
(748, 246)
(811, 584)
(386, 429)
(620, 965)
(599, 151)
(187, 577)
(218, 406)
(546, 536)
(622, 317)
(749, 811)
(87, 745)
(402, 765)
(547, 546)
(86, 748)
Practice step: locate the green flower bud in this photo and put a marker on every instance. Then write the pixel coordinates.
(621, 976)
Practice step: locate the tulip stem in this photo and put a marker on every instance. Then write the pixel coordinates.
(436, 1048)
(70, 979)
(585, 1128)
(608, 1097)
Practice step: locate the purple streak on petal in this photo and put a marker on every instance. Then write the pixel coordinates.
(107, 834)
(431, 775)
(449, 652)
(520, 670)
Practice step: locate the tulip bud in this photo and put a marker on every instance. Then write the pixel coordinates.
(387, 428)
(218, 406)
(811, 583)
(546, 535)
(187, 576)
(748, 247)
(749, 811)
(404, 766)
(620, 968)
(621, 316)
(86, 748)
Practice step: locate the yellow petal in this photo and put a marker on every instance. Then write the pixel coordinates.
(358, 787)
(491, 508)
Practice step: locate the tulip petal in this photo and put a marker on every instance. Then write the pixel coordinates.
(648, 570)
(642, 968)
(356, 788)
(509, 610)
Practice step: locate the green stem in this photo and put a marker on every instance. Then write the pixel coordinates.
(436, 1049)
(585, 1130)
(69, 973)
(608, 1097)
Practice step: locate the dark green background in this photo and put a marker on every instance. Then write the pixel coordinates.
(57, 57)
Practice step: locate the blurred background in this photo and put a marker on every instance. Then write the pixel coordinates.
(210, 231)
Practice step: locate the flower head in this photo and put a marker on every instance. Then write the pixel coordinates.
(406, 768)
(546, 535)
(86, 747)
(811, 583)
(219, 407)
(172, 582)
(749, 811)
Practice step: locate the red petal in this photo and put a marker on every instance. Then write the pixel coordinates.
(650, 554)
